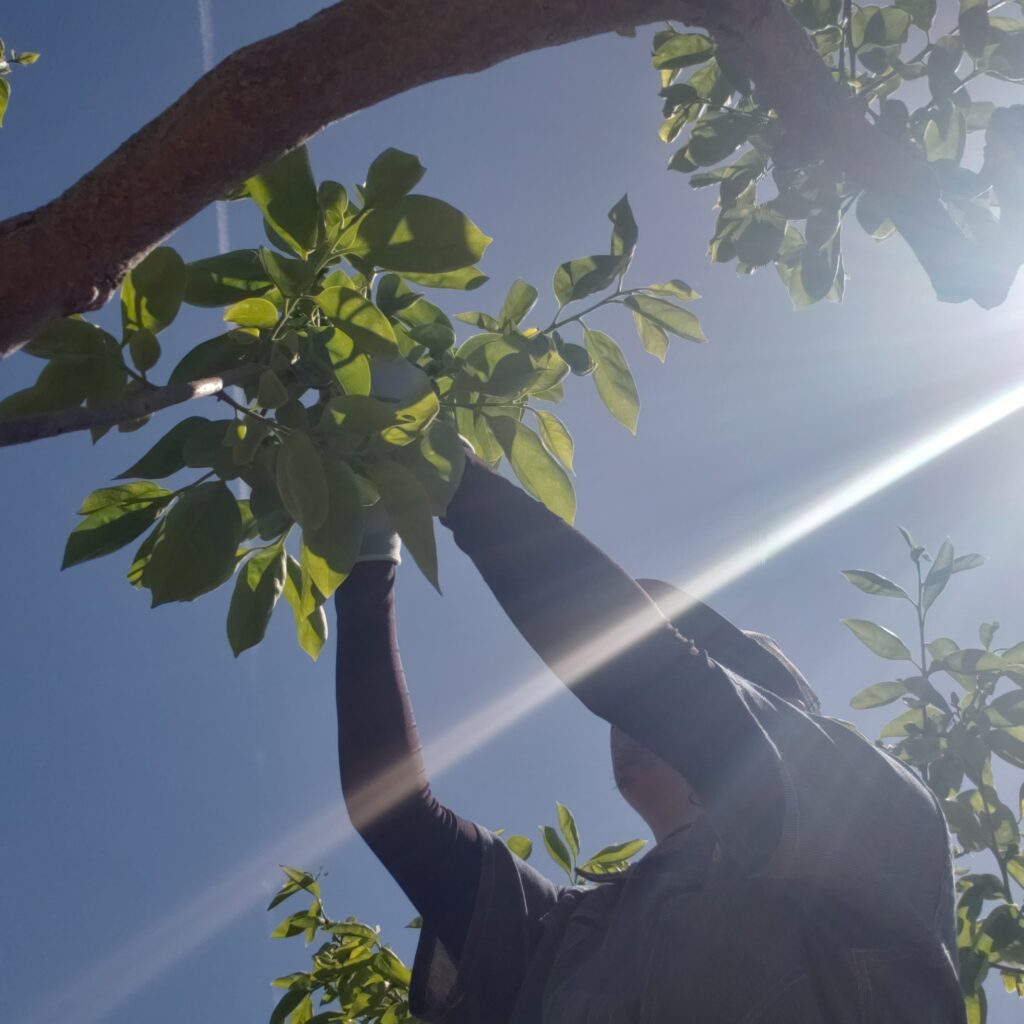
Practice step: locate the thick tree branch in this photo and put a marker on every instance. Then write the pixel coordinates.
(134, 407)
(259, 102)
(272, 95)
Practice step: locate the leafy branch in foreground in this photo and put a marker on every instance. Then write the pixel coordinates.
(8, 58)
(950, 742)
(354, 978)
(332, 304)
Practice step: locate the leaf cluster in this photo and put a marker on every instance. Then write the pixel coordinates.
(316, 324)
(779, 202)
(354, 978)
(950, 737)
(8, 58)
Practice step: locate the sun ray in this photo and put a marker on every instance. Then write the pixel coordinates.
(118, 977)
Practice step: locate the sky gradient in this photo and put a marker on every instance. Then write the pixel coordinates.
(151, 782)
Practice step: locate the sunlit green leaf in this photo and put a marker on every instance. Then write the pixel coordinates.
(878, 639)
(613, 379)
(878, 695)
(286, 193)
(259, 584)
(555, 436)
(556, 850)
(535, 468)
(873, 583)
(408, 506)
(417, 235)
(392, 175)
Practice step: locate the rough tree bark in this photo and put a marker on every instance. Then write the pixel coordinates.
(272, 95)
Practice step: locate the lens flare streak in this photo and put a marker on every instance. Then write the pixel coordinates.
(129, 969)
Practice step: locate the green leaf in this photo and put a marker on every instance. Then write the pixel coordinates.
(534, 466)
(392, 175)
(613, 379)
(111, 523)
(291, 277)
(938, 576)
(329, 552)
(417, 235)
(466, 279)
(310, 625)
(214, 356)
(521, 298)
(252, 313)
(408, 506)
(717, 135)
(652, 337)
(585, 276)
(301, 480)
(945, 135)
(881, 26)
(521, 846)
(878, 639)
(195, 551)
(415, 413)
(915, 717)
(921, 12)
(358, 318)
(567, 826)
(259, 584)
(916, 550)
(225, 279)
(152, 292)
(68, 336)
(625, 233)
(359, 414)
(617, 853)
(872, 583)
(270, 392)
(878, 695)
(986, 633)
(974, 26)
(676, 288)
(556, 850)
(682, 50)
(555, 436)
(5, 98)
(144, 349)
(964, 562)
(166, 456)
(286, 193)
(667, 316)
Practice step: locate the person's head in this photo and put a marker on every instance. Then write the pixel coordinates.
(656, 791)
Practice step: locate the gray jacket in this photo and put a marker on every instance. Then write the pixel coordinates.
(850, 922)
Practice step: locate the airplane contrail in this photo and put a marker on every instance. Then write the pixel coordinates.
(125, 972)
(206, 42)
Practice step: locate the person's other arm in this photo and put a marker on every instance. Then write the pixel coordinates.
(605, 638)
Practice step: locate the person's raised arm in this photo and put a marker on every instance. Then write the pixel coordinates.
(432, 853)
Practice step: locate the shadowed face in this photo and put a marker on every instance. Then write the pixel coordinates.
(655, 790)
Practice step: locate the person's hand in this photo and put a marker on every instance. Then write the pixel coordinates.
(380, 542)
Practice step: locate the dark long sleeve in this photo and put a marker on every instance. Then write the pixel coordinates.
(604, 637)
(431, 852)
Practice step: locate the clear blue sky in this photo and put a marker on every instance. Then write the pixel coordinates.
(143, 766)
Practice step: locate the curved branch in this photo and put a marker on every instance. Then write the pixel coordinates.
(274, 94)
(262, 100)
(68, 421)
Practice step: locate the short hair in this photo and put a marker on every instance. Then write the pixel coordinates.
(754, 656)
